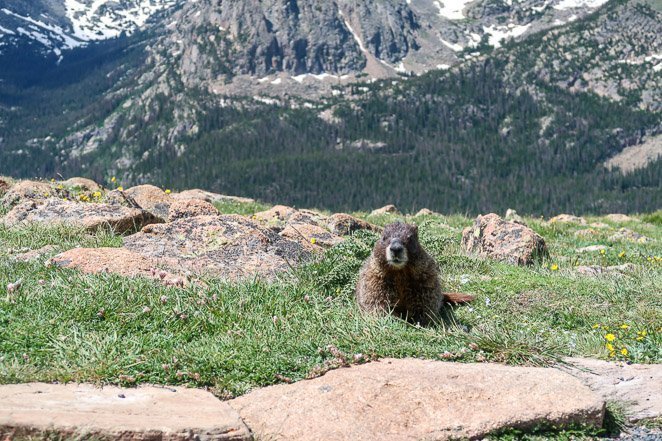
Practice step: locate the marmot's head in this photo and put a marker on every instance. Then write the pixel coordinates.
(398, 245)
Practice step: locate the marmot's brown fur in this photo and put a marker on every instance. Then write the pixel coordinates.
(402, 278)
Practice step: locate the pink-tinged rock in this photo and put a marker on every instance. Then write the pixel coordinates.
(87, 412)
(228, 246)
(209, 197)
(636, 386)
(151, 199)
(311, 235)
(490, 236)
(90, 216)
(83, 183)
(414, 399)
(190, 208)
(28, 190)
(595, 270)
(343, 224)
(620, 218)
(5, 184)
(567, 219)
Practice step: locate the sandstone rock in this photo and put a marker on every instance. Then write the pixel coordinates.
(343, 224)
(387, 209)
(492, 237)
(119, 197)
(227, 246)
(190, 208)
(636, 386)
(209, 197)
(151, 199)
(308, 235)
(89, 216)
(625, 234)
(113, 260)
(86, 412)
(418, 400)
(619, 218)
(275, 216)
(512, 216)
(27, 190)
(567, 219)
(424, 212)
(594, 270)
(30, 256)
(591, 249)
(83, 184)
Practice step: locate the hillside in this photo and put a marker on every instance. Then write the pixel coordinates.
(527, 125)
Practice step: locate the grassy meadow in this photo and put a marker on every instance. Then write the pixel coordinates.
(61, 325)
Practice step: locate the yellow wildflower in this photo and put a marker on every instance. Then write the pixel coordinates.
(624, 326)
(642, 333)
(113, 179)
(168, 192)
(610, 337)
(622, 254)
(603, 252)
(596, 326)
(624, 351)
(313, 241)
(554, 267)
(120, 188)
(612, 354)
(609, 347)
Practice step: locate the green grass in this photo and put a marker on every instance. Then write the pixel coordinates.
(65, 326)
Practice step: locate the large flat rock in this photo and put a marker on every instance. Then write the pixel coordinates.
(145, 413)
(414, 399)
(637, 386)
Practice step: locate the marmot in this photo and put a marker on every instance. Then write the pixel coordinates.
(401, 277)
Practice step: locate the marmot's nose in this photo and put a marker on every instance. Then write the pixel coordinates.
(396, 247)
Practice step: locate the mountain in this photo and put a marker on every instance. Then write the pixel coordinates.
(342, 102)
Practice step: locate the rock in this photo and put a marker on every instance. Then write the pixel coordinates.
(151, 199)
(387, 209)
(567, 219)
(512, 216)
(619, 218)
(113, 260)
(625, 234)
(343, 224)
(311, 235)
(492, 237)
(30, 256)
(228, 246)
(5, 185)
(89, 216)
(600, 225)
(586, 233)
(418, 399)
(83, 184)
(80, 411)
(594, 270)
(28, 190)
(591, 249)
(190, 208)
(280, 215)
(636, 386)
(209, 197)
(424, 212)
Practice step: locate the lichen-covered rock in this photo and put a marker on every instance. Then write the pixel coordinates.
(492, 237)
(343, 224)
(387, 209)
(89, 216)
(279, 216)
(228, 246)
(28, 190)
(152, 199)
(5, 185)
(625, 234)
(190, 208)
(83, 184)
(308, 235)
(567, 219)
(424, 212)
(620, 218)
(586, 233)
(595, 270)
(591, 249)
(209, 197)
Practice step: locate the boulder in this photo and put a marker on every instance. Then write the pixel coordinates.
(228, 246)
(90, 216)
(413, 399)
(387, 209)
(636, 386)
(113, 260)
(28, 190)
(119, 197)
(492, 237)
(620, 218)
(308, 234)
(343, 224)
(5, 185)
(38, 254)
(586, 233)
(80, 411)
(424, 212)
(190, 208)
(625, 234)
(592, 249)
(595, 270)
(209, 197)
(567, 219)
(280, 215)
(151, 199)
(83, 184)
(600, 225)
